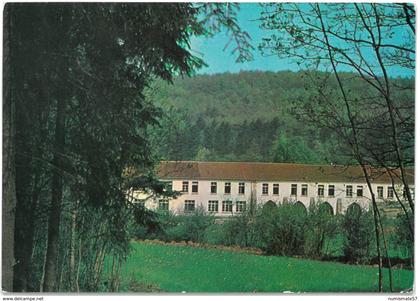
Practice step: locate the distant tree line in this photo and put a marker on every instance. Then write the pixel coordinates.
(253, 116)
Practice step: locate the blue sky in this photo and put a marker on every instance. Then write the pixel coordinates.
(219, 60)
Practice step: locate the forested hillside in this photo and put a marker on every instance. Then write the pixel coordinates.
(248, 116)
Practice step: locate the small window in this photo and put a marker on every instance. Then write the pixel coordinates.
(380, 192)
(320, 190)
(241, 188)
(227, 187)
(168, 186)
(265, 189)
(294, 189)
(227, 206)
(189, 206)
(213, 206)
(164, 205)
(213, 187)
(240, 206)
(185, 186)
(194, 188)
(349, 191)
(331, 190)
(275, 189)
(390, 192)
(304, 189)
(359, 191)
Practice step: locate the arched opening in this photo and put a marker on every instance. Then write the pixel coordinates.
(326, 208)
(270, 205)
(354, 209)
(300, 207)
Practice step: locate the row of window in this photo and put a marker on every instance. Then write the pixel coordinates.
(380, 191)
(293, 192)
(213, 187)
(213, 206)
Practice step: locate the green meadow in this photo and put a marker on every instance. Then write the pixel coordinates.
(170, 268)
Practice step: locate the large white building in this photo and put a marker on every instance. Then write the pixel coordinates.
(226, 188)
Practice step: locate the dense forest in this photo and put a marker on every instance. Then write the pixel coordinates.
(249, 116)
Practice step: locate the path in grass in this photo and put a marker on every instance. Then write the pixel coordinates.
(179, 268)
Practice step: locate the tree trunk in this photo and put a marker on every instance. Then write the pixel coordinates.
(354, 142)
(50, 270)
(9, 188)
(72, 263)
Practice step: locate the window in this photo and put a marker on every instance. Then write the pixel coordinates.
(275, 189)
(390, 192)
(304, 189)
(380, 191)
(241, 188)
(359, 191)
(349, 191)
(294, 189)
(185, 186)
(227, 206)
(168, 186)
(320, 190)
(189, 206)
(194, 188)
(164, 205)
(265, 188)
(240, 206)
(227, 187)
(213, 187)
(331, 190)
(213, 206)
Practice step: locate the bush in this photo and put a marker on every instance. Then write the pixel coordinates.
(402, 237)
(282, 229)
(189, 227)
(358, 228)
(321, 226)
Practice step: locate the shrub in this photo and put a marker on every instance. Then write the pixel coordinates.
(321, 226)
(240, 230)
(358, 228)
(402, 237)
(282, 229)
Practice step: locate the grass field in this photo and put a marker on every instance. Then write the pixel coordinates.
(182, 268)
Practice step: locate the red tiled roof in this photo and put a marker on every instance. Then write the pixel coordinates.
(255, 171)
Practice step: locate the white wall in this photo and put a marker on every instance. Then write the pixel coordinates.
(203, 196)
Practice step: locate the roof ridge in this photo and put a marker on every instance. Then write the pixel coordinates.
(248, 162)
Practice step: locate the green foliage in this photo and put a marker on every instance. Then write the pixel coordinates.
(191, 227)
(321, 226)
(258, 116)
(241, 230)
(82, 116)
(293, 150)
(402, 237)
(286, 230)
(168, 226)
(358, 229)
(282, 229)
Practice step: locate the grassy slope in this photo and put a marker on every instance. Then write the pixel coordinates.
(177, 268)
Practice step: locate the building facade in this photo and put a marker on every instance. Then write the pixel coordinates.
(228, 188)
